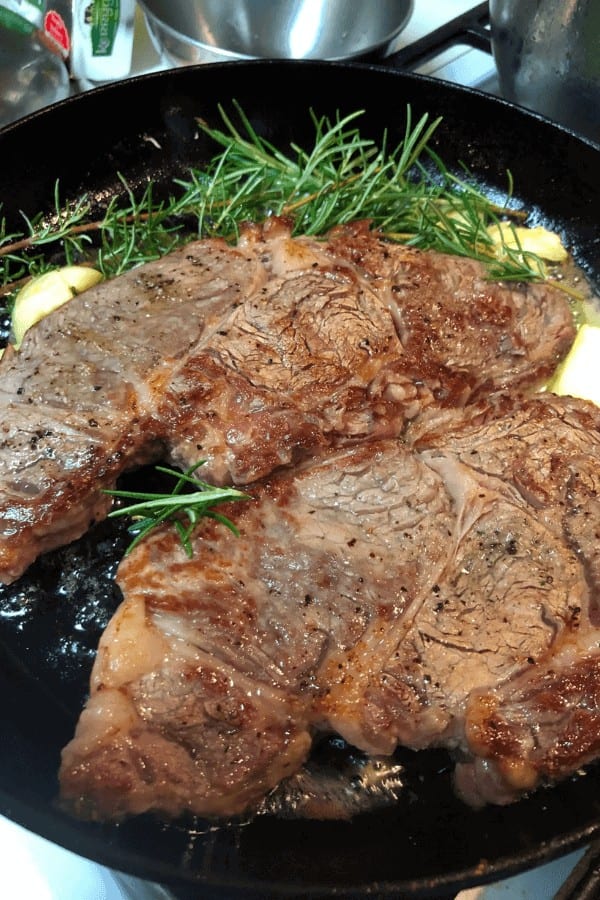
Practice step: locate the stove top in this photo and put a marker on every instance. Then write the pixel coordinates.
(449, 41)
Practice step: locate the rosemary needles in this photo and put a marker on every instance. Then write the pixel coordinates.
(406, 191)
(184, 508)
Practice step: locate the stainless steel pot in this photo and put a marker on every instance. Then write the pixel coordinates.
(547, 53)
(199, 31)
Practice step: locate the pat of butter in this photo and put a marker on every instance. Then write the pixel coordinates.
(538, 240)
(47, 292)
(579, 374)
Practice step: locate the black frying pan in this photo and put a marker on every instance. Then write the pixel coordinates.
(427, 843)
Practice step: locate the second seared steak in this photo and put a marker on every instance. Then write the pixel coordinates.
(436, 595)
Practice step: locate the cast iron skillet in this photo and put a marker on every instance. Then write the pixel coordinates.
(427, 843)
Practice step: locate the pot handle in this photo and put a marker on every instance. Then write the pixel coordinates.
(471, 28)
(584, 881)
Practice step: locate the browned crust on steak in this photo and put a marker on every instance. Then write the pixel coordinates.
(251, 357)
(425, 596)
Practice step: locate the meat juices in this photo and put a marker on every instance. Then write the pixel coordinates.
(439, 594)
(250, 357)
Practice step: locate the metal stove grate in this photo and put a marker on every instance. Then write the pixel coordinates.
(472, 28)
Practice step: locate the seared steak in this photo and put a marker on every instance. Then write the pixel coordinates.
(251, 358)
(78, 397)
(427, 595)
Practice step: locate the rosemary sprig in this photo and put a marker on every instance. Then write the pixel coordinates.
(406, 191)
(183, 509)
(63, 226)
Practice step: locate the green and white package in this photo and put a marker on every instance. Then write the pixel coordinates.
(101, 37)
